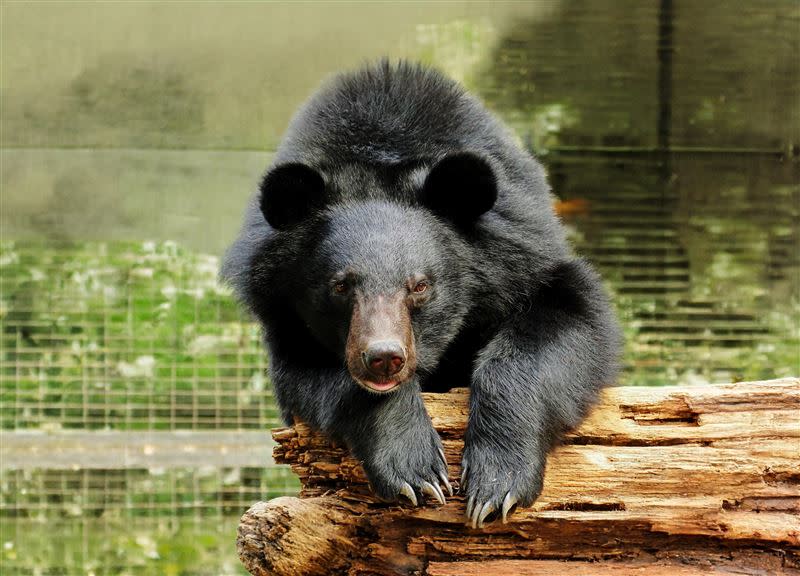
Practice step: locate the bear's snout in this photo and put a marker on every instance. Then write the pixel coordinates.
(380, 344)
(384, 358)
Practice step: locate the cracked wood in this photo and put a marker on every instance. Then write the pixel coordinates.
(692, 476)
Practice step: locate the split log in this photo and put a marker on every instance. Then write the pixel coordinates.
(671, 480)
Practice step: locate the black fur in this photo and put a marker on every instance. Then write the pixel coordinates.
(296, 190)
(511, 312)
(460, 188)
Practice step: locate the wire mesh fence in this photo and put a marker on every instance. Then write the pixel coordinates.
(94, 546)
(114, 493)
(126, 336)
(135, 411)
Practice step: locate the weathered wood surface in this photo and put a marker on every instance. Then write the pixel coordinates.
(671, 480)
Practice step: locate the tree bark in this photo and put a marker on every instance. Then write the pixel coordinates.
(671, 480)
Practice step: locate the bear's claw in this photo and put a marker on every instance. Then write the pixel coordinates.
(509, 502)
(446, 482)
(476, 514)
(494, 484)
(428, 489)
(480, 513)
(412, 467)
(407, 491)
(433, 491)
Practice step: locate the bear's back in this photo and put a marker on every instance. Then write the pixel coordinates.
(390, 114)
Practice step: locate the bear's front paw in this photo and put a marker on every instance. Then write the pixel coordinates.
(496, 480)
(412, 466)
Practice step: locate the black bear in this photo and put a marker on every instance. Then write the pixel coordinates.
(402, 241)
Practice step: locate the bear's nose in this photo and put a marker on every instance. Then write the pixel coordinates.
(385, 358)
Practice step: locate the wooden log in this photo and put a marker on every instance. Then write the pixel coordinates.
(670, 480)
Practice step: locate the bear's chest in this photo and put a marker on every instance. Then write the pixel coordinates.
(455, 367)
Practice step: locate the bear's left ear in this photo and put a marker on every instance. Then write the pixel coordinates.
(290, 193)
(460, 188)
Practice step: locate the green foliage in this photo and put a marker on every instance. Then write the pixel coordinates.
(125, 336)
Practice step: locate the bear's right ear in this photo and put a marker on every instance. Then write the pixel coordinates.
(290, 193)
(460, 187)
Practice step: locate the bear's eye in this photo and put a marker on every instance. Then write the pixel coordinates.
(340, 287)
(420, 287)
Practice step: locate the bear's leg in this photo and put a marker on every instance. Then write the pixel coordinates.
(401, 452)
(535, 380)
(391, 434)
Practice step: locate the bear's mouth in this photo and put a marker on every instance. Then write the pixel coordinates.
(381, 386)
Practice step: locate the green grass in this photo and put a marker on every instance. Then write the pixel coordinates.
(157, 547)
(126, 335)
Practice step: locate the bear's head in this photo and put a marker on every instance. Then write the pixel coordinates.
(380, 278)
